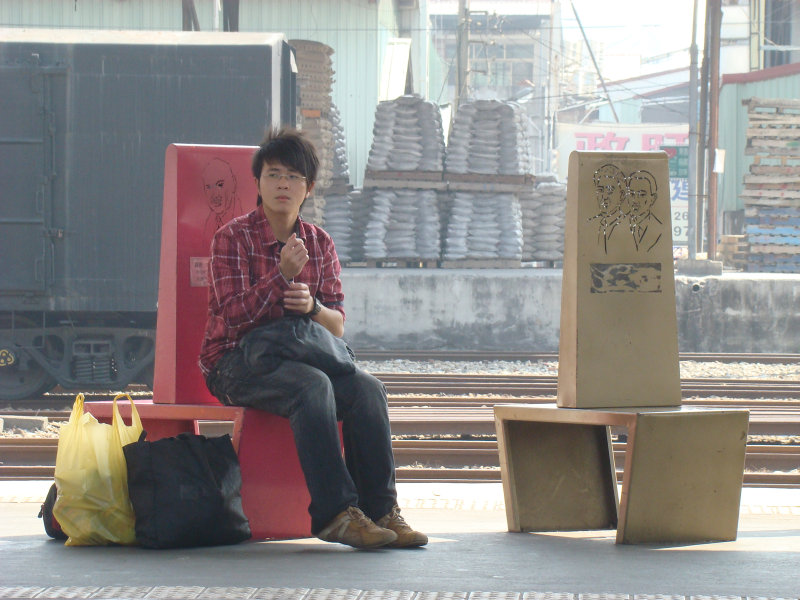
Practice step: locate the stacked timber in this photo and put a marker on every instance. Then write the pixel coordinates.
(771, 192)
(487, 167)
(734, 251)
(315, 74)
(402, 185)
(319, 119)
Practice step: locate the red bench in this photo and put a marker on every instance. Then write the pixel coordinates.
(204, 185)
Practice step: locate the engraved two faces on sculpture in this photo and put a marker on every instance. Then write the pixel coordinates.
(625, 204)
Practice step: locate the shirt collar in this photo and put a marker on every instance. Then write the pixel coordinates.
(269, 235)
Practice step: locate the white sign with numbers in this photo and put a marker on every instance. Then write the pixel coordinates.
(679, 195)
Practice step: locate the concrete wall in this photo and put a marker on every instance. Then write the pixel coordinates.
(518, 309)
(752, 312)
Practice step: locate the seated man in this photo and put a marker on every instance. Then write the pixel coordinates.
(269, 264)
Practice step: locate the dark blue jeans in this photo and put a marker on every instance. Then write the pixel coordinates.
(314, 402)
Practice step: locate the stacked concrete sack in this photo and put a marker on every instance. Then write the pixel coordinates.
(338, 212)
(341, 170)
(483, 225)
(407, 136)
(491, 138)
(339, 222)
(543, 213)
(359, 217)
(319, 119)
(403, 222)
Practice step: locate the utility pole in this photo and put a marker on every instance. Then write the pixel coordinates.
(216, 7)
(462, 53)
(713, 125)
(757, 17)
(703, 135)
(552, 92)
(691, 233)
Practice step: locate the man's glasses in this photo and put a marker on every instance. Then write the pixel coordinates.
(290, 177)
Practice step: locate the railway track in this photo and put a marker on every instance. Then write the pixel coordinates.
(453, 439)
(546, 385)
(427, 460)
(425, 414)
(535, 385)
(444, 425)
(477, 384)
(477, 355)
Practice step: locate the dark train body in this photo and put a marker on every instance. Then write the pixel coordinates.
(85, 119)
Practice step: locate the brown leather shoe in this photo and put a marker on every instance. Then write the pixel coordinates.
(353, 528)
(406, 537)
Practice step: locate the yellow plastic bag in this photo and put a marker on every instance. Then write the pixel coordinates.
(93, 507)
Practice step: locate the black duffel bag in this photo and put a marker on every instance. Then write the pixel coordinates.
(186, 491)
(51, 525)
(297, 339)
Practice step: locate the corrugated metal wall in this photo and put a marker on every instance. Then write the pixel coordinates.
(357, 30)
(733, 131)
(93, 14)
(414, 24)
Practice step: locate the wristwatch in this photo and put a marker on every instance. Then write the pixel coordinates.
(317, 307)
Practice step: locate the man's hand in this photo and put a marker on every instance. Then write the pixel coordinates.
(298, 299)
(294, 256)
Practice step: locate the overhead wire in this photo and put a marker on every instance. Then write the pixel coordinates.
(639, 91)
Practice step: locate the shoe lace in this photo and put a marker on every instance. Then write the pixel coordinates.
(395, 516)
(359, 517)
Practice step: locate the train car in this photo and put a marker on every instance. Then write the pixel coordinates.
(86, 117)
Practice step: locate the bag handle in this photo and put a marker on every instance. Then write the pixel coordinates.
(77, 409)
(196, 444)
(116, 418)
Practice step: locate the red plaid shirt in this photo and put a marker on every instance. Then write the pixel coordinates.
(247, 287)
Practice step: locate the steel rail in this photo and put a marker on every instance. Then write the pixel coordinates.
(435, 400)
(489, 355)
(423, 475)
(547, 385)
(518, 384)
(508, 384)
(479, 421)
(484, 453)
(765, 464)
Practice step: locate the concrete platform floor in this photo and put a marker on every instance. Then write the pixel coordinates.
(470, 556)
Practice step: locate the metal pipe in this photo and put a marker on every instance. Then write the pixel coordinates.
(691, 232)
(462, 53)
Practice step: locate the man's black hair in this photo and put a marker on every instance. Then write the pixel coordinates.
(288, 147)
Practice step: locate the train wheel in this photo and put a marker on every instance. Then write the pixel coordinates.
(146, 377)
(21, 377)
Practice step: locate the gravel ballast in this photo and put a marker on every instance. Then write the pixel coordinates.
(688, 369)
